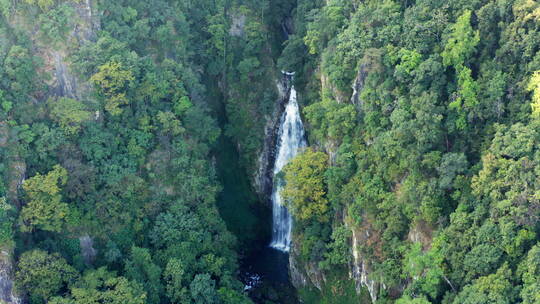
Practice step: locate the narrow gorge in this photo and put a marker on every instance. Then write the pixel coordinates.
(155, 152)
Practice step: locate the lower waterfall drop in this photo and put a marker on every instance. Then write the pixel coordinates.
(290, 141)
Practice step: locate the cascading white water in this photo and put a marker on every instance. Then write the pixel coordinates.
(291, 140)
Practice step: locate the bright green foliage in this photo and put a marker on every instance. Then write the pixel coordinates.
(461, 43)
(534, 87)
(458, 49)
(483, 258)
(422, 199)
(142, 181)
(467, 97)
(305, 191)
(407, 61)
(326, 23)
(42, 275)
(424, 268)
(43, 4)
(112, 80)
(45, 209)
(182, 105)
(217, 28)
(331, 120)
(409, 300)
(101, 286)
(339, 249)
(192, 248)
(19, 68)
(69, 114)
(229, 296)
(169, 123)
(432, 163)
(5, 7)
(47, 140)
(46, 4)
(441, 148)
(4, 103)
(507, 179)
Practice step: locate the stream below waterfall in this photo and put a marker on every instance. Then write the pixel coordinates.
(263, 270)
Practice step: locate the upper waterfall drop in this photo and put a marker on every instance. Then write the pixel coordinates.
(291, 140)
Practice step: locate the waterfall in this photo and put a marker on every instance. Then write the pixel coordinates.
(291, 139)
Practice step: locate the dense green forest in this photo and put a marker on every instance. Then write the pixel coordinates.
(132, 136)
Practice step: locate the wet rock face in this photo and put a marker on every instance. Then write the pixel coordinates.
(91, 21)
(372, 62)
(298, 279)
(238, 25)
(7, 294)
(358, 85)
(4, 134)
(303, 275)
(329, 87)
(87, 249)
(16, 175)
(15, 178)
(66, 83)
(263, 179)
(360, 268)
(421, 233)
(287, 26)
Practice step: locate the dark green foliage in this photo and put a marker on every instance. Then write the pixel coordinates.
(203, 290)
(330, 120)
(43, 275)
(424, 115)
(140, 268)
(102, 286)
(126, 159)
(436, 144)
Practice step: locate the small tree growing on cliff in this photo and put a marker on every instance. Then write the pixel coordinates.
(43, 275)
(305, 191)
(111, 80)
(69, 114)
(45, 209)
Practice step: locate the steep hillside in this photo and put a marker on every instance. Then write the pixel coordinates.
(109, 123)
(427, 112)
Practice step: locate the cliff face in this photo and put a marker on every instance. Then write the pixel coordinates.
(360, 270)
(17, 170)
(64, 82)
(7, 293)
(263, 177)
(304, 274)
